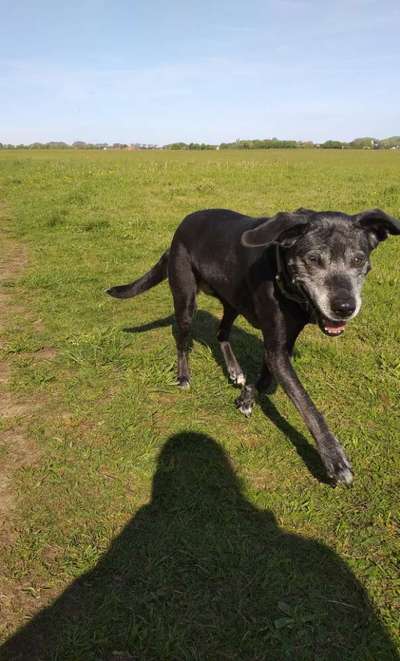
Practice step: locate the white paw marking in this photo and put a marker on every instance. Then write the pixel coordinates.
(237, 379)
(246, 410)
(345, 476)
(184, 385)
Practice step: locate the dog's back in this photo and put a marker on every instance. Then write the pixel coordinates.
(210, 242)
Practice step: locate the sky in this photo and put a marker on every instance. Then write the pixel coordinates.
(213, 71)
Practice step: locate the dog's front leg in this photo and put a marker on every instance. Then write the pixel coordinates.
(333, 457)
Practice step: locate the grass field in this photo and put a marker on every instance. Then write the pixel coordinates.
(142, 522)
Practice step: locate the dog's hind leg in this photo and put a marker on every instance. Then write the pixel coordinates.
(234, 370)
(184, 288)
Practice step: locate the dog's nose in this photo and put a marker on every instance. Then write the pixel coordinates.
(343, 307)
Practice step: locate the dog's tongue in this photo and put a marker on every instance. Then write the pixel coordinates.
(334, 327)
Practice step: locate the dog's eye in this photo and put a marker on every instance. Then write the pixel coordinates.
(358, 260)
(314, 258)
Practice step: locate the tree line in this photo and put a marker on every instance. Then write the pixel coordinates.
(275, 143)
(79, 144)
(269, 143)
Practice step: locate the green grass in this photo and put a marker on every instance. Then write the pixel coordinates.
(179, 529)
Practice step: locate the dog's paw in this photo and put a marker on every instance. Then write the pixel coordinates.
(338, 467)
(237, 378)
(245, 402)
(244, 408)
(183, 383)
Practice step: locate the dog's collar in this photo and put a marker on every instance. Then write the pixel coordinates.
(288, 286)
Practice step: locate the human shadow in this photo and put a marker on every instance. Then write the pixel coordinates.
(249, 351)
(201, 574)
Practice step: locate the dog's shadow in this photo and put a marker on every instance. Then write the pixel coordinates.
(249, 351)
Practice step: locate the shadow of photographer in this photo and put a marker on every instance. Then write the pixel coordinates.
(200, 573)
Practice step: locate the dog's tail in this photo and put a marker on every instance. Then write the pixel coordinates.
(150, 279)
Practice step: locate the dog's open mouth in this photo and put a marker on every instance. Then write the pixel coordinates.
(332, 328)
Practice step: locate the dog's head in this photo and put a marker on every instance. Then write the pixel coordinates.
(327, 256)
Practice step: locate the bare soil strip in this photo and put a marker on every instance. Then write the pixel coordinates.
(16, 448)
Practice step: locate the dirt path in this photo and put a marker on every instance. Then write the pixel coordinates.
(16, 448)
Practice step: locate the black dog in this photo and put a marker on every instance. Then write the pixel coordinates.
(280, 273)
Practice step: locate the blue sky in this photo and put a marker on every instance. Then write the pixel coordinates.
(216, 70)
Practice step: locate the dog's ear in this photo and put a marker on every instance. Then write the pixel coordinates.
(284, 228)
(378, 224)
(307, 212)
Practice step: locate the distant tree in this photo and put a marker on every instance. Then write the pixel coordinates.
(57, 145)
(363, 143)
(389, 143)
(332, 144)
(269, 143)
(176, 145)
